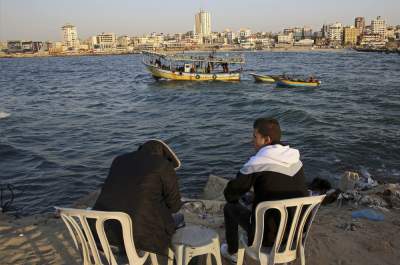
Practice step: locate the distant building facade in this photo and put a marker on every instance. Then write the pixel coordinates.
(307, 33)
(284, 40)
(335, 33)
(359, 23)
(372, 40)
(70, 36)
(325, 31)
(390, 33)
(351, 35)
(203, 23)
(105, 41)
(14, 46)
(378, 26)
(20, 46)
(123, 41)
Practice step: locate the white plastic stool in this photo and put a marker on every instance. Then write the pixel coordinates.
(194, 240)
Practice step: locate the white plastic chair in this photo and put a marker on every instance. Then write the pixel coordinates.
(282, 252)
(76, 221)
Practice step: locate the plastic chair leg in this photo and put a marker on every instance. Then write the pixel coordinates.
(186, 257)
(240, 256)
(153, 258)
(179, 254)
(209, 259)
(217, 252)
(170, 257)
(302, 256)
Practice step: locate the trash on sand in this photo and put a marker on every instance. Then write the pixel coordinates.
(368, 214)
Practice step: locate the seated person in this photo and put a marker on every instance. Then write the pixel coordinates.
(144, 185)
(275, 172)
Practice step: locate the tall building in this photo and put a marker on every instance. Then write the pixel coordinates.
(378, 26)
(297, 33)
(335, 33)
(229, 35)
(359, 23)
(70, 36)
(307, 33)
(325, 31)
(350, 35)
(203, 23)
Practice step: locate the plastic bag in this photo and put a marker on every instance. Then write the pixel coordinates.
(368, 214)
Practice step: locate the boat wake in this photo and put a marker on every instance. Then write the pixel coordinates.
(4, 115)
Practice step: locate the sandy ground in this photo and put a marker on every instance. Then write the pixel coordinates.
(335, 238)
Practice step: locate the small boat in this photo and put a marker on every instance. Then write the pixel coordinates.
(188, 67)
(265, 78)
(297, 83)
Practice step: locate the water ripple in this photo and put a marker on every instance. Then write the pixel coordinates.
(72, 116)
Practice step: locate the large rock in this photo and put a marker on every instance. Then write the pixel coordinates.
(214, 189)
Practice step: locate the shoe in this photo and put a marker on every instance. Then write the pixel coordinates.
(225, 253)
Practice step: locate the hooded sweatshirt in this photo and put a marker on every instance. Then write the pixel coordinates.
(144, 185)
(276, 173)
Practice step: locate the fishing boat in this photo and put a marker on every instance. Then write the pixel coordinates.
(188, 67)
(265, 78)
(297, 83)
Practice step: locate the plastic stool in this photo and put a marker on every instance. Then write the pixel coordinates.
(194, 240)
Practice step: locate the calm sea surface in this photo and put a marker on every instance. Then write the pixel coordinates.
(69, 117)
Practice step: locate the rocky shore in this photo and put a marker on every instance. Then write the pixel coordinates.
(335, 237)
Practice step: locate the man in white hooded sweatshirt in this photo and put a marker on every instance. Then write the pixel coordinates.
(275, 172)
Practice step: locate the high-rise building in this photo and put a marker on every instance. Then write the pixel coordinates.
(350, 35)
(335, 32)
(307, 33)
(203, 23)
(378, 26)
(70, 36)
(359, 23)
(325, 31)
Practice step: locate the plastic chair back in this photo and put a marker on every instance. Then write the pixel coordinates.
(289, 244)
(76, 221)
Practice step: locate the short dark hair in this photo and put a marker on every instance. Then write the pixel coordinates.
(268, 127)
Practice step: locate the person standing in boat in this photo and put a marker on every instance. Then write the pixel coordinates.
(144, 185)
(208, 68)
(158, 63)
(275, 172)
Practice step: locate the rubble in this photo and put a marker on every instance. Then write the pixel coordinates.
(365, 191)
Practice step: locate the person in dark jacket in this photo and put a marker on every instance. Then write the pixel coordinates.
(275, 172)
(144, 185)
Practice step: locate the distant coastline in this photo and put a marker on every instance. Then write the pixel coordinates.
(73, 54)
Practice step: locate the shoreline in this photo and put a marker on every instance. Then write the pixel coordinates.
(46, 54)
(335, 237)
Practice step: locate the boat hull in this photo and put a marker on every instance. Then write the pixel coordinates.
(182, 76)
(264, 78)
(290, 83)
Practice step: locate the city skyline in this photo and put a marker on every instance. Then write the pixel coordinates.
(21, 20)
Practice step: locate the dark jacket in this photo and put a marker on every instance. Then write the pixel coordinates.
(144, 185)
(275, 173)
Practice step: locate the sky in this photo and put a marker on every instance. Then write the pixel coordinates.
(42, 19)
